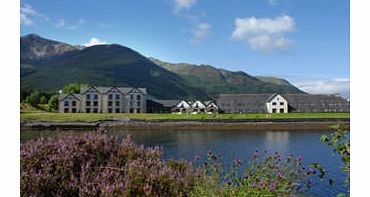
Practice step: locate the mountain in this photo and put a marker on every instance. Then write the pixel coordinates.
(34, 47)
(217, 81)
(49, 65)
(100, 65)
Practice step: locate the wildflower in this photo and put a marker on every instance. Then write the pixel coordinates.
(272, 186)
(279, 174)
(197, 157)
(262, 184)
(253, 185)
(310, 182)
(238, 161)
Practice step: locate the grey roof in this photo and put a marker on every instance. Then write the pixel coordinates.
(166, 103)
(317, 102)
(254, 103)
(296, 102)
(63, 96)
(124, 90)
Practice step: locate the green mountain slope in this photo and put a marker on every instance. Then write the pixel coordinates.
(104, 65)
(49, 65)
(217, 81)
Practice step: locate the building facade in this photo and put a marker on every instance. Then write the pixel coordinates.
(195, 107)
(282, 103)
(104, 100)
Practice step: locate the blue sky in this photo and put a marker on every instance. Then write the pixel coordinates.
(306, 42)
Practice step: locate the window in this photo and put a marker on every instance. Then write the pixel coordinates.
(66, 103)
(66, 110)
(88, 103)
(281, 103)
(109, 110)
(95, 97)
(117, 103)
(138, 97)
(281, 110)
(74, 110)
(138, 103)
(131, 103)
(88, 110)
(95, 103)
(117, 110)
(274, 103)
(73, 103)
(117, 96)
(138, 111)
(273, 110)
(95, 110)
(131, 97)
(87, 96)
(110, 97)
(131, 110)
(110, 103)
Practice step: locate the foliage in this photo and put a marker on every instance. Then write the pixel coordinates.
(33, 98)
(97, 165)
(74, 88)
(43, 100)
(341, 145)
(265, 175)
(53, 103)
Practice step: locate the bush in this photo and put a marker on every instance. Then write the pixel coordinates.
(97, 165)
(53, 103)
(265, 175)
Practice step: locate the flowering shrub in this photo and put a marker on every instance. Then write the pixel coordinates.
(265, 175)
(97, 165)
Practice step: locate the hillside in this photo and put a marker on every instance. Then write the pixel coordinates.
(216, 81)
(103, 65)
(49, 65)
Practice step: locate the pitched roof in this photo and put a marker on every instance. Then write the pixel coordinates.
(123, 90)
(63, 96)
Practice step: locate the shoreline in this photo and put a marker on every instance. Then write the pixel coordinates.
(200, 124)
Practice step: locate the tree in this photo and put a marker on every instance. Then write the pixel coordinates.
(33, 98)
(43, 100)
(74, 88)
(53, 103)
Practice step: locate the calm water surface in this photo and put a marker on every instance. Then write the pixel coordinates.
(230, 144)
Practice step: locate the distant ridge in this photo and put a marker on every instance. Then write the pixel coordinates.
(49, 65)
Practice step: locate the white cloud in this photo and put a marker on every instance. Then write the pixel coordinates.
(94, 41)
(27, 12)
(60, 23)
(264, 34)
(325, 86)
(183, 4)
(200, 32)
(272, 2)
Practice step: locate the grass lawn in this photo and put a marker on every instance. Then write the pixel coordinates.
(85, 117)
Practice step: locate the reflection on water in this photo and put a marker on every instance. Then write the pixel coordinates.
(180, 144)
(277, 140)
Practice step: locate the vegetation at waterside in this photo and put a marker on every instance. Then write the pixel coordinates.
(94, 117)
(95, 164)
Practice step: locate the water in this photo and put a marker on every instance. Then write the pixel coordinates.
(182, 144)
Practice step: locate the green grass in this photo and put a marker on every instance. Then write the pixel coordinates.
(85, 117)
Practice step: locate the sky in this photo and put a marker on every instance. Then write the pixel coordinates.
(305, 42)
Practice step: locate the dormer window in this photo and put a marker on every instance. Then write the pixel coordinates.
(95, 97)
(87, 96)
(274, 103)
(110, 96)
(117, 96)
(281, 103)
(66, 103)
(131, 97)
(138, 97)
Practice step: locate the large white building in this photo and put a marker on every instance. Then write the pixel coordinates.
(104, 100)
